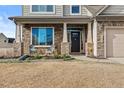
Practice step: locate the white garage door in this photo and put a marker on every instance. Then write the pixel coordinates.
(115, 42)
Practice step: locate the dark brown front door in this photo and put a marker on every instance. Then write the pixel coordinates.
(75, 41)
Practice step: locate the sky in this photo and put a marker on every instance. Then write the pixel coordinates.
(7, 26)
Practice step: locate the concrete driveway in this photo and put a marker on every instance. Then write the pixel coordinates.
(117, 60)
(108, 60)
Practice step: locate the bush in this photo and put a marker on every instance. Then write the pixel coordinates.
(64, 57)
(67, 57)
(57, 56)
(35, 57)
(38, 57)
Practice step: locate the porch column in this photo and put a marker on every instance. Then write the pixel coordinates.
(89, 44)
(17, 44)
(21, 33)
(95, 37)
(89, 35)
(18, 33)
(65, 33)
(65, 43)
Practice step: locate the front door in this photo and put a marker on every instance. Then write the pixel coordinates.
(75, 41)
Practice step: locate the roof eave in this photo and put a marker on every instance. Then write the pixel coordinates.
(15, 18)
(110, 15)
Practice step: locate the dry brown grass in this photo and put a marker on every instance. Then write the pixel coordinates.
(61, 74)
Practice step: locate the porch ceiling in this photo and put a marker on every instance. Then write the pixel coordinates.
(52, 19)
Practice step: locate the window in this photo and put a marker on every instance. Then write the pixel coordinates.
(42, 36)
(43, 8)
(75, 9)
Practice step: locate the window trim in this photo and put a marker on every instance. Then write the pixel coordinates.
(75, 13)
(43, 12)
(43, 45)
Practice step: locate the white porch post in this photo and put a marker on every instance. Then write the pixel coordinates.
(89, 36)
(65, 33)
(89, 44)
(65, 44)
(21, 33)
(95, 37)
(18, 33)
(17, 44)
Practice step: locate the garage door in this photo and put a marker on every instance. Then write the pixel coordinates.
(115, 42)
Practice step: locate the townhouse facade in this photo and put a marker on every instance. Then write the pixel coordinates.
(89, 30)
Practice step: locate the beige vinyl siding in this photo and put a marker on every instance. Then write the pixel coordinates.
(114, 10)
(84, 11)
(27, 12)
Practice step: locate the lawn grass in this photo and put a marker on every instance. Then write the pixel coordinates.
(59, 73)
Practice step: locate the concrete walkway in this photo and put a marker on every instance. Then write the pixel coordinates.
(81, 57)
(109, 60)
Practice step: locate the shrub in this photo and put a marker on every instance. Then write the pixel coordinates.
(67, 57)
(38, 57)
(35, 57)
(58, 57)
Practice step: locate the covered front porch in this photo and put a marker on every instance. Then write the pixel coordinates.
(71, 35)
(75, 38)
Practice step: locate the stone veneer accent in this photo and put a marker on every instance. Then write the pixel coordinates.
(65, 48)
(89, 49)
(58, 34)
(26, 37)
(100, 35)
(17, 49)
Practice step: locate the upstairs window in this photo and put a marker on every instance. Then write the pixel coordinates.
(43, 8)
(75, 9)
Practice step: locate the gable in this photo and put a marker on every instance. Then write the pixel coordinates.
(88, 13)
(113, 10)
(94, 8)
(3, 38)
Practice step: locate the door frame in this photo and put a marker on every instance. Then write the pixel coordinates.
(79, 40)
(105, 37)
(71, 37)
